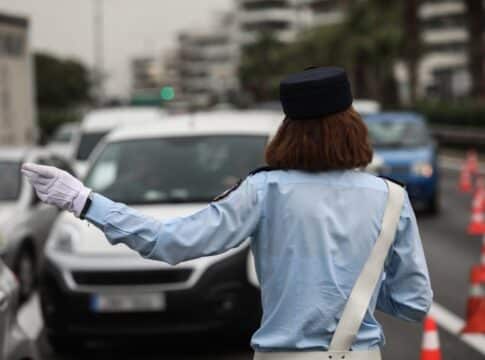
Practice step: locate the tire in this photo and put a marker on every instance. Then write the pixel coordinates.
(433, 205)
(25, 271)
(64, 345)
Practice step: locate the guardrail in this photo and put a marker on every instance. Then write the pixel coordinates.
(463, 137)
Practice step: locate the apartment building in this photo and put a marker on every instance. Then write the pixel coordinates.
(208, 63)
(17, 113)
(444, 66)
(145, 82)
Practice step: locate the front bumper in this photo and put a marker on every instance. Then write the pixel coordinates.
(220, 299)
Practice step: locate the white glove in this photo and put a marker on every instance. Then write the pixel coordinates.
(57, 187)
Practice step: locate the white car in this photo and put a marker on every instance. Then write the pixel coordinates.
(25, 222)
(98, 123)
(174, 168)
(62, 142)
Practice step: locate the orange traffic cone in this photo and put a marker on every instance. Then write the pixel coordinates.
(465, 184)
(430, 348)
(472, 161)
(477, 221)
(475, 312)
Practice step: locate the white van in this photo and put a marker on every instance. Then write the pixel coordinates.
(96, 124)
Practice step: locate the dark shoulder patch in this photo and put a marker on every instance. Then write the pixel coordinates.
(262, 169)
(393, 180)
(228, 191)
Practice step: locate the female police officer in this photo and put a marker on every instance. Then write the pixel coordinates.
(318, 227)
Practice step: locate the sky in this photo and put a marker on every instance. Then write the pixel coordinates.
(131, 28)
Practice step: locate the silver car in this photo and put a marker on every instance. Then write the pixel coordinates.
(25, 222)
(14, 343)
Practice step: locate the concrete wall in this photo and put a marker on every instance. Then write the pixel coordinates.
(17, 125)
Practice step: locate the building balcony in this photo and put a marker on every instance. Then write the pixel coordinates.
(442, 36)
(329, 18)
(268, 15)
(439, 9)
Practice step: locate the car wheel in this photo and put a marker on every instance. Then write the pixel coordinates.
(64, 345)
(24, 269)
(433, 205)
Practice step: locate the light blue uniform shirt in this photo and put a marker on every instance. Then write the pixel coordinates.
(311, 235)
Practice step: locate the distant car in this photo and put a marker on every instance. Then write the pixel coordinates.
(407, 154)
(98, 123)
(25, 222)
(14, 343)
(63, 140)
(366, 107)
(175, 168)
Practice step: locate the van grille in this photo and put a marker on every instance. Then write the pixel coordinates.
(139, 277)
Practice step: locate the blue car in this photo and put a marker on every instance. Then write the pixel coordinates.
(407, 153)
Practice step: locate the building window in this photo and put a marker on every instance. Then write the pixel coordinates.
(267, 26)
(12, 44)
(444, 22)
(264, 5)
(324, 6)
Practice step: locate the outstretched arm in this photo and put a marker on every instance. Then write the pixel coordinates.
(218, 227)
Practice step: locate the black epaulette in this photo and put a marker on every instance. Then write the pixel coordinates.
(394, 181)
(261, 169)
(228, 191)
(236, 186)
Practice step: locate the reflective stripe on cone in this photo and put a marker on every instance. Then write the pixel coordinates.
(430, 348)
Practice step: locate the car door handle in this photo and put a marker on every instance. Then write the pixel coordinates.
(3, 300)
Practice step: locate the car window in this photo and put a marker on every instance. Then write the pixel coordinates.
(63, 135)
(388, 133)
(88, 143)
(10, 180)
(173, 170)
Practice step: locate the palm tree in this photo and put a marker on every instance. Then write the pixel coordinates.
(412, 44)
(476, 46)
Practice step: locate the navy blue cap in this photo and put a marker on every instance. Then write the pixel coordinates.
(315, 93)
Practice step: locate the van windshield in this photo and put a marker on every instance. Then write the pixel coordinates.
(88, 143)
(174, 170)
(9, 180)
(398, 134)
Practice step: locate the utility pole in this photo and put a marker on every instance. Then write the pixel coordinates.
(98, 42)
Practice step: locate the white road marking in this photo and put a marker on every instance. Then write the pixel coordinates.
(450, 163)
(454, 324)
(30, 319)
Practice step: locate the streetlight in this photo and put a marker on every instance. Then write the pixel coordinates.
(98, 51)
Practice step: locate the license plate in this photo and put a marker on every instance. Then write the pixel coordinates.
(105, 303)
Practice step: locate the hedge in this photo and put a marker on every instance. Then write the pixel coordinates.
(462, 114)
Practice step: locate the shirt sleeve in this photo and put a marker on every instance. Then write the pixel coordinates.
(406, 289)
(220, 226)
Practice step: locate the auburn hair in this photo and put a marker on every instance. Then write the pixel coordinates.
(334, 142)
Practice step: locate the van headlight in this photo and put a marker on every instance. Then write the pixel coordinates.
(63, 240)
(423, 168)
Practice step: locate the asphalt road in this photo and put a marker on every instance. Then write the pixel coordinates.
(450, 253)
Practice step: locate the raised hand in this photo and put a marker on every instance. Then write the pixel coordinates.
(57, 187)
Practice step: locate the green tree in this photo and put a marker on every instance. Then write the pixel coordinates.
(60, 83)
(262, 64)
(61, 87)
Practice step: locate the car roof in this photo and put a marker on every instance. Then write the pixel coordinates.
(397, 116)
(366, 106)
(21, 153)
(108, 119)
(206, 123)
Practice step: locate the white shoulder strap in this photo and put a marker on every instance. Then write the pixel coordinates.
(363, 290)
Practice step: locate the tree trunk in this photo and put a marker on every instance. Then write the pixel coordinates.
(412, 48)
(476, 46)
